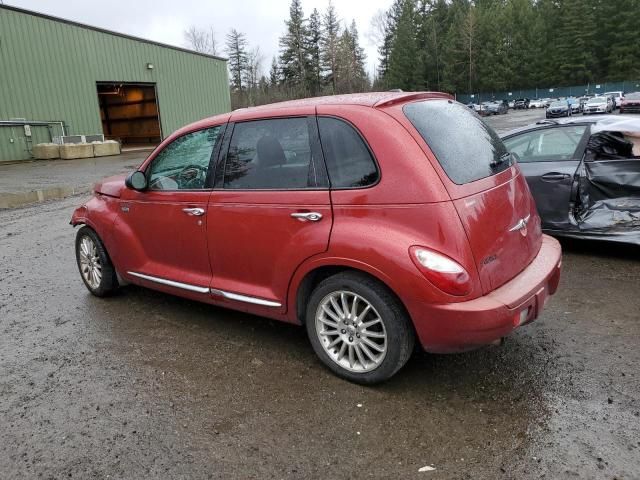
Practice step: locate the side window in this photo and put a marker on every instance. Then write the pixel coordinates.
(546, 145)
(184, 163)
(270, 154)
(348, 159)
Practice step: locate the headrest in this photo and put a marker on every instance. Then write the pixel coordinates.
(270, 152)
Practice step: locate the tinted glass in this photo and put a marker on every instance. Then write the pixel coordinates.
(270, 154)
(547, 145)
(632, 96)
(466, 147)
(184, 163)
(348, 159)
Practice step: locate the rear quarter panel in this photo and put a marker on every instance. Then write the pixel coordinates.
(374, 227)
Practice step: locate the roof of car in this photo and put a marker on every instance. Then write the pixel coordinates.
(600, 122)
(369, 99)
(557, 121)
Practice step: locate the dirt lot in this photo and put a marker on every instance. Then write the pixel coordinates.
(144, 385)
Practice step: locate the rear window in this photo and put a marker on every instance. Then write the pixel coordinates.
(466, 147)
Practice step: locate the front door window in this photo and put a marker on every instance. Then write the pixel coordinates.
(184, 163)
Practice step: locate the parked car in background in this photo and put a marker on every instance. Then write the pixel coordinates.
(281, 211)
(584, 175)
(630, 103)
(537, 103)
(583, 101)
(559, 108)
(617, 97)
(521, 103)
(511, 103)
(598, 105)
(496, 108)
(575, 105)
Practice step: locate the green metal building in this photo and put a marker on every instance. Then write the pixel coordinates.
(62, 78)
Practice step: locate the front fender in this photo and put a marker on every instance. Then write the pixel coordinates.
(99, 213)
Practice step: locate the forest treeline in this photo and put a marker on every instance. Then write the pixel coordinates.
(458, 46)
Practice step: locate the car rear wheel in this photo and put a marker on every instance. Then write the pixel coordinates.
(358, 328)
(96, 269)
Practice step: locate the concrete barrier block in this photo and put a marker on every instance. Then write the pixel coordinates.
(69, 151)
(103, 149)
(46, 151)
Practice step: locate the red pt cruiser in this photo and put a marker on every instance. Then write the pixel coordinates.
(374, 220)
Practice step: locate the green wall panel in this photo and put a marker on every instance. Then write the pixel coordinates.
(49, 69)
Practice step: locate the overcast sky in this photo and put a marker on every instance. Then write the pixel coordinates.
(165, 21)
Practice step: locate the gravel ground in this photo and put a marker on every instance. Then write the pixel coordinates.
(145, 385)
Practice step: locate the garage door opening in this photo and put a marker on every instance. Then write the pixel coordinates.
(129, 113)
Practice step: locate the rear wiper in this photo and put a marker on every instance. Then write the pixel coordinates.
(505, 157)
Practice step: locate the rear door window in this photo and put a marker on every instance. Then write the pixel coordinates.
(274, 154)
(466, 147)
(349, 161)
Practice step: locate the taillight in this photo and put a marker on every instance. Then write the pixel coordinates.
(445, 273)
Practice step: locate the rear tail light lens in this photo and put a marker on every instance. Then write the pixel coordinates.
(445, 273)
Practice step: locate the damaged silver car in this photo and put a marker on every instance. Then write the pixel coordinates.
(584, 175)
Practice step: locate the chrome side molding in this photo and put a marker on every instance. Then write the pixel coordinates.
(213, 291)
(171, 283)
(245, 298)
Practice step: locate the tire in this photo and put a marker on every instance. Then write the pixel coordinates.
(95, 267)
(350, 337)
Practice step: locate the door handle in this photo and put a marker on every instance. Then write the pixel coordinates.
(195, 212)
(307, 216)
(555, 177)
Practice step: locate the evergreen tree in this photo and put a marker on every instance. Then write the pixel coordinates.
(329, 46)
(294, 57)
(384, 51)
(401, 71)
(237, 52)
(314, 73)
(274, 73)
(622, 60)
(573, 49)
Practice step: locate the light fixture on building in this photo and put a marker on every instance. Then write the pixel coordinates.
(149, 66)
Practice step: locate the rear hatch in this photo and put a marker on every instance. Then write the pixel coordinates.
(487, 188)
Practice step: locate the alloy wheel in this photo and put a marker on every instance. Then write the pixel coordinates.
(90, 265)
(351, 331)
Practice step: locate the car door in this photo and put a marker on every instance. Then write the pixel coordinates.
(269, 211)
(549, 157)
(164, 226)
(609, 187)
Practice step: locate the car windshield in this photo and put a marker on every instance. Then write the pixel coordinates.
(633, 96)
(598, 100)
(467, 148)
(559, 104)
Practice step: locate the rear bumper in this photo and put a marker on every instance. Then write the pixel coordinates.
(457, 327)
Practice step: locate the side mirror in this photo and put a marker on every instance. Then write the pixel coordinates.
(136, 181)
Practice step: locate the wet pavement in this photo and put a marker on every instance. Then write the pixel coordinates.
(27, 182)
(145, 385)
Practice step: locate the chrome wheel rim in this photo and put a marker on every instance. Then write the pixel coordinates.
(90, 266)
(351, 332)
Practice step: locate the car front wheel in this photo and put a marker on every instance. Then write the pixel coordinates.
(96, 269)
(358, 328)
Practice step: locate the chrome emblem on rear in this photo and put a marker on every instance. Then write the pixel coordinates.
(521, 226)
